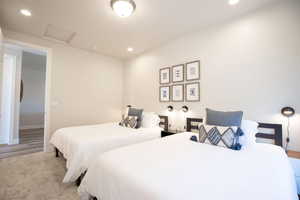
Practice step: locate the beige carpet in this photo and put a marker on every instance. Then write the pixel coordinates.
(35, 176)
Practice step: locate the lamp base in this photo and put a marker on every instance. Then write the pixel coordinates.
(287, 143)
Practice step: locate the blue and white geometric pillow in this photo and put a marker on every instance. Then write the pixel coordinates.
(220, 136)
(129, 121)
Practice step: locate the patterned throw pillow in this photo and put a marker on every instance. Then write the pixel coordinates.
(129, 121)
(220, 136)
(138, 113)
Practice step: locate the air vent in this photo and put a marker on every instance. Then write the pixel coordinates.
(59, 34)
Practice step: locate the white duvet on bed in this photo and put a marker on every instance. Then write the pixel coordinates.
(82, 145)
(175, 168)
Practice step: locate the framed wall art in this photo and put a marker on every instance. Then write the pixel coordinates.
(178, 73)
(192, 92)
(178, 93)
(164, 93)
(164, 75)
(193, 71)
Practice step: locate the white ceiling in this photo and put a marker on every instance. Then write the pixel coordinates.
(98, 28)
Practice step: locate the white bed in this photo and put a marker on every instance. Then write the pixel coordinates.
(176, 168)
(81, 145)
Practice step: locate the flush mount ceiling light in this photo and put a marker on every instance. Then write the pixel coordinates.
(123, 8)
(233, 2)
(130, 49)
(25, 12)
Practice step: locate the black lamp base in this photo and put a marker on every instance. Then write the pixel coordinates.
(287, 143)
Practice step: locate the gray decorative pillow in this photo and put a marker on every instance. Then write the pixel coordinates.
(220, 136)
(219, 118)
(138, 113)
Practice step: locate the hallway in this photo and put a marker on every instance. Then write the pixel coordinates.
(31, 141)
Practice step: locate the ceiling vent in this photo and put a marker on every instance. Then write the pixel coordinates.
(58, 34)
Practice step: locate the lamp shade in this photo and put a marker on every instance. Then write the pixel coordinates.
(170, 108)
(185, 108)
(288, 111)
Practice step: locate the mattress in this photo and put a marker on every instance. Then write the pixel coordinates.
(82, 145)
(176, 168)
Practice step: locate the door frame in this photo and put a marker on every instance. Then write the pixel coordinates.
(13, 105)
(48, 51)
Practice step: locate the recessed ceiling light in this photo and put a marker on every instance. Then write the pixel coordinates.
(25, 12)
(123, 8)
(130, 49)
(233, 2)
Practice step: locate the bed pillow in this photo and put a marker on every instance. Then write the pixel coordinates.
(223, 136)
(129, 121)
(219, 118)
(150, 120)
(138, 113)
(250, 128)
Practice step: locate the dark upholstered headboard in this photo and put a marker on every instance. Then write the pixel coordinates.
(164, 122)
(276, 136)
(192, 124)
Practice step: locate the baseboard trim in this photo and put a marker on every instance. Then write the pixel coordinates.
(3, 141)
(50, 148)
(15, 141)
(31, 127)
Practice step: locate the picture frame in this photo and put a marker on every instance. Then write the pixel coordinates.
(164, 75)
(192, 70)
(164, 94)
(192, 92)
(178, 93)
(178, 73)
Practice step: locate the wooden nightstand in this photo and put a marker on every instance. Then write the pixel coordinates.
(169, 132)
(295, 161)
(294, 154)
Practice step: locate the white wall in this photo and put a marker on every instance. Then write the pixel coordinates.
(86, 88)
(250, 64)
(32, 107)
(1, 60)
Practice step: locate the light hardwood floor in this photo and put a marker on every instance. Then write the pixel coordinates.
(30, 141)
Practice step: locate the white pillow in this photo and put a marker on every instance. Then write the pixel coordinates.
(150, 120)
(250, 128)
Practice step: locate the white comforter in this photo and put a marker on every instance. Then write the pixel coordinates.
(82, 145)
(175, 168)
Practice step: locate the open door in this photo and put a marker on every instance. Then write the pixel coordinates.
(11, 94)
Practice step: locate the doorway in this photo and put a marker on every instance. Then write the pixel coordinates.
(23, 100)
